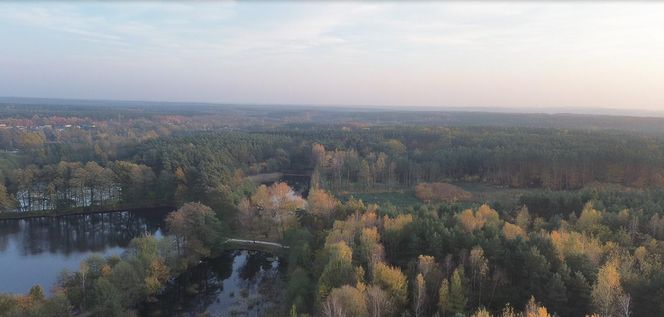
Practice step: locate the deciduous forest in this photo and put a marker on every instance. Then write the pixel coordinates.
(401, 213)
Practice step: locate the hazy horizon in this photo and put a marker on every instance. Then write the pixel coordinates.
(505, 56)
(504, 110)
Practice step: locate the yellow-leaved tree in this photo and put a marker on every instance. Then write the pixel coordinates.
(392, 280)
(607, 292)
(533, 309)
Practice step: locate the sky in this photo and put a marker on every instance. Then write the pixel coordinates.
(428, 54)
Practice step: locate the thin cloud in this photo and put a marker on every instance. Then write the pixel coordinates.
(423, 53)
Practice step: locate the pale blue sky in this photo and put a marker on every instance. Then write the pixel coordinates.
(453, 54)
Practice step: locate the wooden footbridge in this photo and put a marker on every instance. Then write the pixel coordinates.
(257, 245)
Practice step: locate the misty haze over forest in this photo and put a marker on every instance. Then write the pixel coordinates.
(331, 159)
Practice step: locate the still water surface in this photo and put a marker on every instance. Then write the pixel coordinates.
(35, 251)
(238, 283)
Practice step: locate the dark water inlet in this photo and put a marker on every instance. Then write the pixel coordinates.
(237, 283)
(36, 250)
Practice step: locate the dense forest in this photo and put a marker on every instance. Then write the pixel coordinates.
(189, 165)
(581, 232)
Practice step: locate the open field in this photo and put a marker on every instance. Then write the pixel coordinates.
(398, 199)
(492, 194)
(482, 193)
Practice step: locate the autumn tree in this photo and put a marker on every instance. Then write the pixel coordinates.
(30, 140)
(378, 302)
(135, 180)
(350, 299)
(487, 216)
(508, 311)
(272, 207)
(533, 309)
(430, 270)
(607, 291)
(182, 185)
(197, 230)
(317, 154)
(36, 293)
(321, 203)
(589, 218)
(370, 249)
(471, 221)
(624, 305)
(6, 201)
(523, 218)
(481, 312)
(333, 307)
(395, 147)
(479, 268)
(393, 281)
(25, 180)
(338, 269)
(365, 175)
(511, 232)
(394, 231)
(150, 260)
(467, 221)
(419, 295)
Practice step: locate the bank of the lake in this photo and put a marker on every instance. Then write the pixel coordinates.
(17, 215)
(35, 250)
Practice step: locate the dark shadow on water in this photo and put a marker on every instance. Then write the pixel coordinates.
(239, 282)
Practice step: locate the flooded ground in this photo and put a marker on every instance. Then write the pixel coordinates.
(238, 283)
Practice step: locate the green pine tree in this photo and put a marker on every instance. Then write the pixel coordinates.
(444, 297)
(579, 289)
(556, 295)
(457, 297)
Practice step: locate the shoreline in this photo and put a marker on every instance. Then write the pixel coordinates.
(18, 215)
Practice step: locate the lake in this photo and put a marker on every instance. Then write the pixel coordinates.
(35, 251)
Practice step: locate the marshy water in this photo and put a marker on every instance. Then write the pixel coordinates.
(238, 283)
(35, 251)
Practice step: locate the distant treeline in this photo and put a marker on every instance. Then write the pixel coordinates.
(253, 116)
(388, 157)
(165, 172)
(200, 166)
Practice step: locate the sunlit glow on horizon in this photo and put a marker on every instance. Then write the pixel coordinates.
(443, 54)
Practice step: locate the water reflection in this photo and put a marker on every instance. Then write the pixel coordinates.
(36, 250)
(238, 283)
(299, 183)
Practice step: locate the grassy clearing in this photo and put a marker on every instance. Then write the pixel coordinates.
(482, 193)
(492, 194)
(398, 199)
